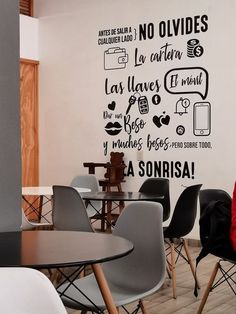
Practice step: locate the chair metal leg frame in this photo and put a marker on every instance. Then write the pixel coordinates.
(70, 280)
(103, 286)
(227, 275)
(103, 216)
(98, 215)
(37, 210)
(100, 278)
(107, 215)
(172, 263)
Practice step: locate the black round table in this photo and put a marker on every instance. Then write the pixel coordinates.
(58, 249)
(121, 196)
(108, 197)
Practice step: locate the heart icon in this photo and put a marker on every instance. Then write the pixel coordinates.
(112, 105)
(165, 120)
(156, 121)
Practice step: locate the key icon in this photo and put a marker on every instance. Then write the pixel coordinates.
(132, 100)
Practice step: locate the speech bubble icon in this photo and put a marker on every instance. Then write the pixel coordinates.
(193, 80)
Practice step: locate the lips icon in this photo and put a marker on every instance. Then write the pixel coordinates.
(113, 128)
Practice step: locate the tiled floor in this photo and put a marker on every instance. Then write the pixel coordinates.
(221, 300)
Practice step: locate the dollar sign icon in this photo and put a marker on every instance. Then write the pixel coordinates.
(198, 51)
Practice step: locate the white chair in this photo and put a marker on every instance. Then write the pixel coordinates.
(28, 291)
(29, 225)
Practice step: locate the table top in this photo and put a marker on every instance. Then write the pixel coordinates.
(121, 196)
(53, 249)
(46, 190)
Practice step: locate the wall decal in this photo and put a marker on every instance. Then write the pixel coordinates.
(181, 106)
(180, 130)
(132, 100)
(113, 128)
(156, 99)
(155, 81)
(160, 120)
(202, 119)
(112, 105)
(190, 80)
(194, 49)
(163, 169)
(142, 103)
(115, 58)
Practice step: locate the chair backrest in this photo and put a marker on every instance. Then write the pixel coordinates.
(69, 212)
(184, 215)
(88, 181)
(158, 186)
(144, 268)
(26, 290)
(208, 195)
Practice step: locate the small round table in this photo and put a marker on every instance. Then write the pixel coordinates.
(108, 197)
(59, 249)
(43, 195)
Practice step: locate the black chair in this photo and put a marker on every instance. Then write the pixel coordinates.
(158, 186)
(226, 264)
(182, 222)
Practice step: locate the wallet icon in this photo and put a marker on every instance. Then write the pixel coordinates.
(115, 58)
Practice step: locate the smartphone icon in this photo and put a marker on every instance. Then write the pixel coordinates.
(202, 118)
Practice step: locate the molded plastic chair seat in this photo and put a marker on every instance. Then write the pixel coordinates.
(25, 290)
(136, 275)
(29, 225)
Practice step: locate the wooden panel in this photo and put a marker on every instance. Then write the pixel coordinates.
(26, 7)
(29, 123)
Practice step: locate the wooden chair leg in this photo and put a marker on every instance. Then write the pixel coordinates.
(208, 288)
(142, 307)
(168, 270)
(173, 269)
(55, 276)
(190, 262)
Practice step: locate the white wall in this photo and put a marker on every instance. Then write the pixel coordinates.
(29, 38)
(74, 100)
